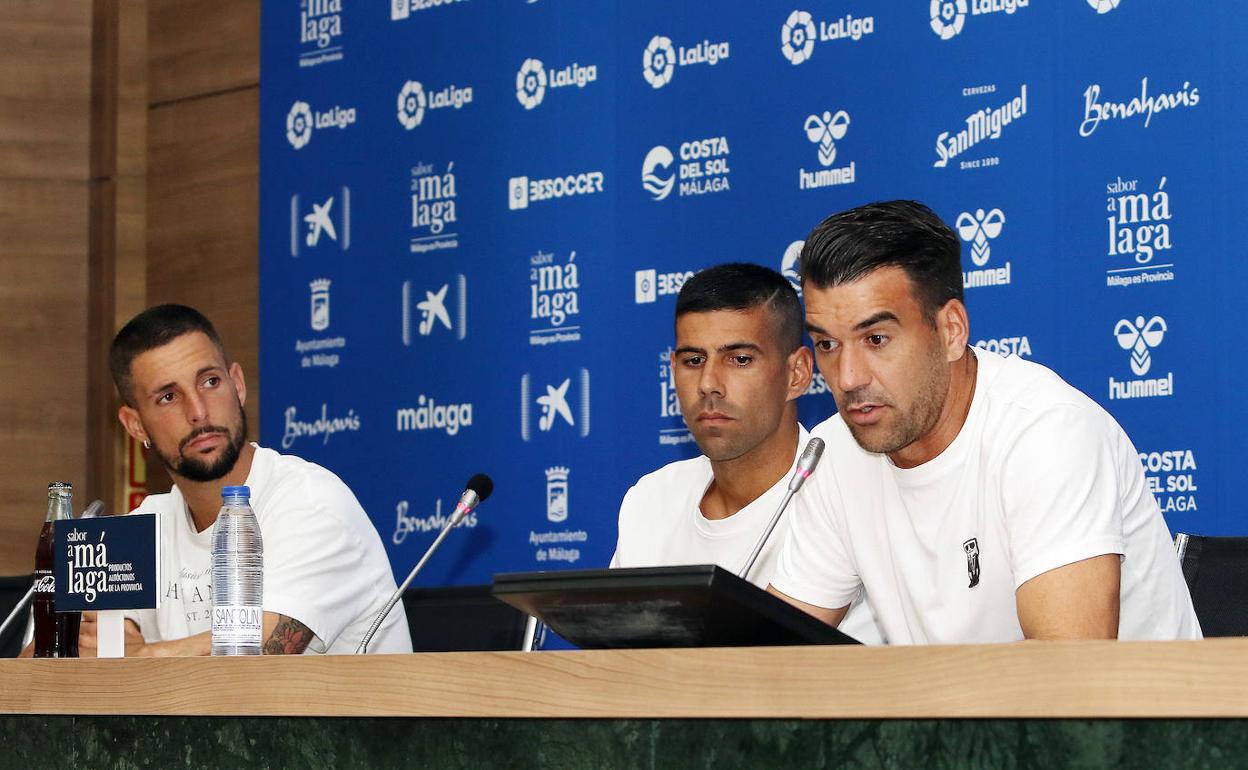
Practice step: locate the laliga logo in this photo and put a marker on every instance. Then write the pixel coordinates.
(659, 61)
(1104, 6)
(412, 104)
(299, 124)
(790, 265)
(977, 230)
(797, 37)
(658, 187)
(824, 130)
(531, 83)
(1139, 338)
(948, 17)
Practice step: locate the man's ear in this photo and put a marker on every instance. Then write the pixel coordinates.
(240, 384)
(130, 420)
(954, 329)
(800, 365)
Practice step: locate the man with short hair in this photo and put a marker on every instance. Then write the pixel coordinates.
(739, 366)
(977, 498)
(325, 572)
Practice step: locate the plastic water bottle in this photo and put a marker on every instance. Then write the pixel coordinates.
(237, 576)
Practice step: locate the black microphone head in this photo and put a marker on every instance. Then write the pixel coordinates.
(482, 484)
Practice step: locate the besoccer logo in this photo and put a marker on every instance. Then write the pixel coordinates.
(531, 83)
(1104, 6)
(948, 17)
(977, 230)
(299, 124)
(797, 37)
(659, 61)
(1140, 337)
(658, 187)
(412, 104)
(824, 130)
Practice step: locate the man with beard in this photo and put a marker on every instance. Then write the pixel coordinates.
(325, 572)
(977, 498)
(739, 367)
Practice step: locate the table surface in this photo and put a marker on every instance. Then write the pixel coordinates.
(1207, 678)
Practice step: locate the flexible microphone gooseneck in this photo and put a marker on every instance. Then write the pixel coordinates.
(805, 466)
(90, 512)
(478, 488)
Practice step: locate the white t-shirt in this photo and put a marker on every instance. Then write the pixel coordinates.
(324, 564)
(661, 524)
(1039, 476)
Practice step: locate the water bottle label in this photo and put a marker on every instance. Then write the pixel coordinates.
(236, 625)
(45, 582)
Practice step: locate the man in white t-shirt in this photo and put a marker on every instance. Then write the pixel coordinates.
(977, 498)
(325, 571)
(739, 366)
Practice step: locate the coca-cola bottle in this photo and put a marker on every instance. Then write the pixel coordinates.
(56, 633)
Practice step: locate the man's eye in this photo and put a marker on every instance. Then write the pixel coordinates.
(692, 361)
(213, 381)
(742, 360)
(165, 398)
(877, 340)
(825, 346)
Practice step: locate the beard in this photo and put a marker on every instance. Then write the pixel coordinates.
(197, 469)
(914, 423)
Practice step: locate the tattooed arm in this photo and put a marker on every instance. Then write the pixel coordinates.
(286, 636)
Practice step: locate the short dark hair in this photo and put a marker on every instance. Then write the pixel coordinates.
(151, 329)
(906, 234)
(743, 286)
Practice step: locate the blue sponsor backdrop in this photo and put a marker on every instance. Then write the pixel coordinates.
(475, 216)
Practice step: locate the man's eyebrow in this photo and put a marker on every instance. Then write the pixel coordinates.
(688, 349)
(880, 317)
(198, 374)
(738, 346)
(812, 328)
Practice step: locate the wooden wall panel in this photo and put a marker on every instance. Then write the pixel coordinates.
(200, 47)
(45, 88)
(203, 221)
(43, 331)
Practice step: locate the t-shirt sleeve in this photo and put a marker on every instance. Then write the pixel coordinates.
(622, 555)
(1060, 493)
(814, 564)
(314, 557)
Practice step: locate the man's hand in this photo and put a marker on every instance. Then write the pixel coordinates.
(1077, 601)
(831, 617)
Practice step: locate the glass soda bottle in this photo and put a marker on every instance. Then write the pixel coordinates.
(237, 576)
(56, 633)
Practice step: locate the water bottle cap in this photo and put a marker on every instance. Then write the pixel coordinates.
(228, 492)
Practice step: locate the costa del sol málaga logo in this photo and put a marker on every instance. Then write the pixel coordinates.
(299, 124)
(797, 37)
(412, 104)
(659, 61)
(948, 17)
(531, 83)
(659, 187)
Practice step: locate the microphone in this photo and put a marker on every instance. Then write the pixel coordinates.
(805, 466)
(90, 512)
(478, 488)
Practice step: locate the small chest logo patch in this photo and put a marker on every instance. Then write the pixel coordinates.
(972, 561)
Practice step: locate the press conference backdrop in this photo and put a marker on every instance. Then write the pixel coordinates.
(475, 218)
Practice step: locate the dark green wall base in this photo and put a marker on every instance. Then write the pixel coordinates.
(129, 743)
